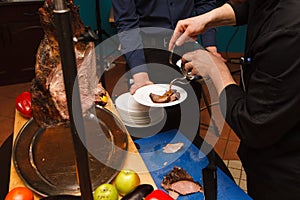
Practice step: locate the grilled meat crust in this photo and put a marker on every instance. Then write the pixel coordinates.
(177, 174)
(168, 96)
(49, 105)
(178, 182)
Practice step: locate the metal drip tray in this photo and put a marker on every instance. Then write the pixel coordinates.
(45, 158)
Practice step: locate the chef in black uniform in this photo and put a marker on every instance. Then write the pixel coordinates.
(264, 110)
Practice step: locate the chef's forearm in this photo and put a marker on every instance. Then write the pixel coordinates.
(221, 76)
(222, 16)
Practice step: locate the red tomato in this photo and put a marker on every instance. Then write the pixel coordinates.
(158, 195)
(19, 193)
(23, 104)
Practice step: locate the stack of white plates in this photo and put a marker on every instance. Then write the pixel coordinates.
(134, 114)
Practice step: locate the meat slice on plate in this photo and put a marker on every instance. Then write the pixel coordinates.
(178, 182)
(168, 96)
(49, 104)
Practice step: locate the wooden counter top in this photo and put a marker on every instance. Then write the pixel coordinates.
(133, 157)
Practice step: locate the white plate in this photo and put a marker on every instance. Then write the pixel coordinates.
(143, 124)
(134, 114)
(142, 95)
(126, 103)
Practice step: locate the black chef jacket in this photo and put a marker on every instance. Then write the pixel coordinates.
(265, 112)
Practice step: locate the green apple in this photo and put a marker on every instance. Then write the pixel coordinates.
(126, 181)
(106, 191)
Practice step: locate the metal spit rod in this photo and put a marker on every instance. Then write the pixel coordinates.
(69, 67)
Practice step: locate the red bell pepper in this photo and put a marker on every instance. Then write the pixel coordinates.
(158, 195)
(23, 104)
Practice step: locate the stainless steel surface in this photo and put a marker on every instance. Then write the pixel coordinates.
(178, 80)
(171, 56)
(45, 158)
(187, 76)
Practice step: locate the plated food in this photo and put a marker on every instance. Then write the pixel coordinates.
(169, 96)
(159, 95)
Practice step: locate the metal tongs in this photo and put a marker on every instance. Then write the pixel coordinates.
(187, 76)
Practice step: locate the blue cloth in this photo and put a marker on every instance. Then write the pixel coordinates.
(189, 158)
(134, 14)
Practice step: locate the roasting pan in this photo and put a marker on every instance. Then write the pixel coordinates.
(45, 158)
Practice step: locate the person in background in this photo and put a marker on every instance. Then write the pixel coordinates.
(164, 14)
(264, 110)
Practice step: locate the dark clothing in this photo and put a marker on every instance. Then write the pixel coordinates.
(164, 14)
(266, 114)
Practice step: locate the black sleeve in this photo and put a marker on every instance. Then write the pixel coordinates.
(241, 13)
(270, 107)
(268, 111)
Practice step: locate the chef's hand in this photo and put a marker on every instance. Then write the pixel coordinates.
(205, 64)
(140, 79)
(187, 30)
(214, 51)
(198, 63)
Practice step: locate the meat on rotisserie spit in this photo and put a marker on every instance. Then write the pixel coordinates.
(49, 104)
